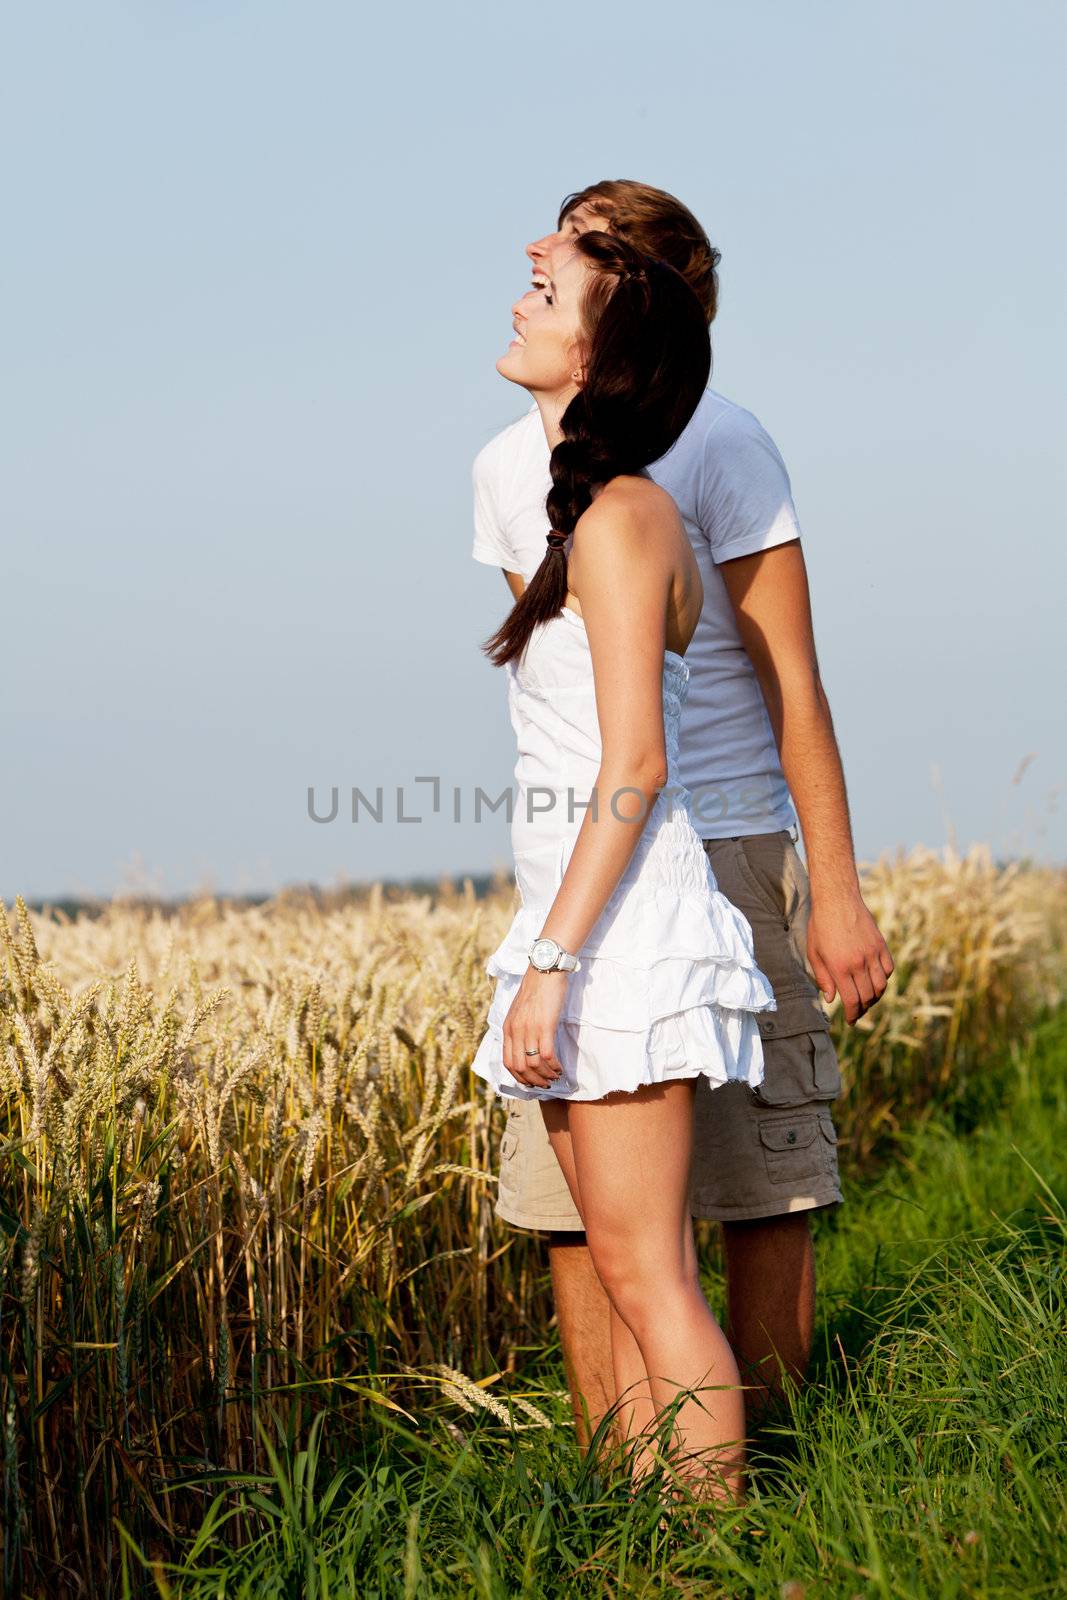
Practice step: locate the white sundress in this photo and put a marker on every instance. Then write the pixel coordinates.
(668, 986)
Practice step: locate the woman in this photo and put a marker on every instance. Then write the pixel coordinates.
(625, 974)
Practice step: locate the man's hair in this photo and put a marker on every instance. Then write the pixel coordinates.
(658, 225)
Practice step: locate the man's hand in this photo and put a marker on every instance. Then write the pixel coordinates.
(848, 954)
(531, 1025)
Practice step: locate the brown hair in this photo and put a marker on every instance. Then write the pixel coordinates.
(657, 224)
(647, 365)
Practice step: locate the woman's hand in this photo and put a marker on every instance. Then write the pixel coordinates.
(531, 1025)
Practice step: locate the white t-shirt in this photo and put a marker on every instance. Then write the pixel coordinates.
(732, 490)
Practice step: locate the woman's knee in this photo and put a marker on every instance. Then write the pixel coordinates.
(638, 1287)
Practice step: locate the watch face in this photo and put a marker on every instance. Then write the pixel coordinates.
(544, 953)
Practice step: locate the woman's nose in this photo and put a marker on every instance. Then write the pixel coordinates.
(540, 247)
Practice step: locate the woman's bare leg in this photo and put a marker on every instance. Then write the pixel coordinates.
(631, 1378)
(631, 1155)
(635, 1411)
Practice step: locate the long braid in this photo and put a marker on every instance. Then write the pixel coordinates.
(577, 465)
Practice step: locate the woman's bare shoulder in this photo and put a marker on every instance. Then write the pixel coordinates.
(628, 502)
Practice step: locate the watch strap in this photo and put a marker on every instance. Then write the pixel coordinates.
(564, 962)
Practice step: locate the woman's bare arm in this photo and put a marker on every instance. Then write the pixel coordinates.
(621, 568)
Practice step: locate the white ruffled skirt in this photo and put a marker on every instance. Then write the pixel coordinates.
(668, 987)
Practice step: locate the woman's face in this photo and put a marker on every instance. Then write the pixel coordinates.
(546, 354)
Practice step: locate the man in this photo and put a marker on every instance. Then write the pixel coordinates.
(756, 730)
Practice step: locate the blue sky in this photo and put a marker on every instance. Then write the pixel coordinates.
(259, 266)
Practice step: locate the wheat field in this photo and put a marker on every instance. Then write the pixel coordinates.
(247, 1173)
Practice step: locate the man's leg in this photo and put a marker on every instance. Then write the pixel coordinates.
(599, 1351)
(760, 1170)
(770, 1267)
(583, 1312)
(764, 1159)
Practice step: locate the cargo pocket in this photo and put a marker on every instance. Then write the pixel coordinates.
(801, 1068)
(826, 1067)
(507, 1174)
(793, 1147)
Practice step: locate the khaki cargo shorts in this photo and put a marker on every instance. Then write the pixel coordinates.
(756, 1152)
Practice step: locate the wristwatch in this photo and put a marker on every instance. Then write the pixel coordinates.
(548, 956)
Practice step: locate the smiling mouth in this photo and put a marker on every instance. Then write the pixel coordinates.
(520, 338)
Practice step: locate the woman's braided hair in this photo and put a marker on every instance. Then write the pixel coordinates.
(647, 364)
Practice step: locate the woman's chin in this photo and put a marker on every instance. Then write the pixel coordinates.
(510, 364)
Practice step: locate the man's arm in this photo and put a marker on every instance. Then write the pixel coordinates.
(771, 601)
(515, 582)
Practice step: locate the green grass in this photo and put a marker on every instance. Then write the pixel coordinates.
(923, 1459)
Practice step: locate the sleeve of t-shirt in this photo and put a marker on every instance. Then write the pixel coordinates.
(745, 501)
(491, 543)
